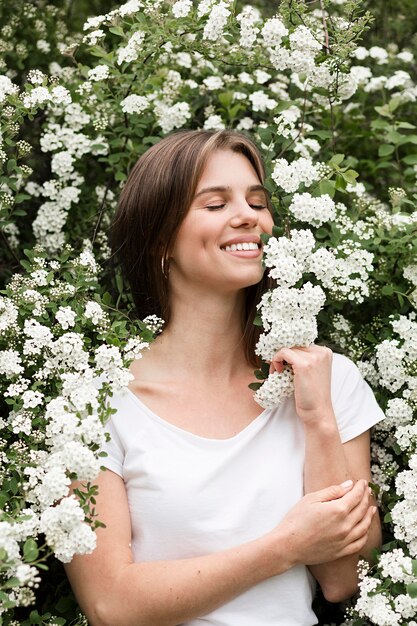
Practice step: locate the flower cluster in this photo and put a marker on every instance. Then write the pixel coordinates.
(288, 314)
(77, 109)
(56, 385)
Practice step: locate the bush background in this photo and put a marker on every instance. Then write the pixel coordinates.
(377, 140)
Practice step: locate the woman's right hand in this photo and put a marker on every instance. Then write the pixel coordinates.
(328, 524)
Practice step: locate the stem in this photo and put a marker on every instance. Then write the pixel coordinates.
(326, 32)
(10, 249)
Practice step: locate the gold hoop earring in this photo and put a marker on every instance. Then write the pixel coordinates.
(165, 267)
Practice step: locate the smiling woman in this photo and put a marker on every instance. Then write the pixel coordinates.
(217, 512)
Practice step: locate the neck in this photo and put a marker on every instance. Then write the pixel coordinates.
(205, 334)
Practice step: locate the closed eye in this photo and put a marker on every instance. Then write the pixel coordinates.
(214, 207)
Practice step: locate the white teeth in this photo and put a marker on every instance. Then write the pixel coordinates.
(247, 245)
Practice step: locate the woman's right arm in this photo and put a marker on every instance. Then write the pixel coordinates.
(112, 590)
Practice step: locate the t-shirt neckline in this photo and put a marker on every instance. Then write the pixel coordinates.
(187, 433)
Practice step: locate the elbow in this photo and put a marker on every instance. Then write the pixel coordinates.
(339, 592)
(110, 613)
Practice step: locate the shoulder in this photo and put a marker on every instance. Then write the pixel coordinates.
(354, 403)
(344, 372)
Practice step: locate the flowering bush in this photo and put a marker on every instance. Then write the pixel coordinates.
(332, 106)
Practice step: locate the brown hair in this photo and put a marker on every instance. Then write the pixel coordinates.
(152, 206)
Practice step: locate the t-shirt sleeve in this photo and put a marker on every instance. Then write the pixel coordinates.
(354, 403)
(115, 451)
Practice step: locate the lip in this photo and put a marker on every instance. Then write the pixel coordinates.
(243, 239)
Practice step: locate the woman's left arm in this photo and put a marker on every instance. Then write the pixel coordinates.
(327, 460)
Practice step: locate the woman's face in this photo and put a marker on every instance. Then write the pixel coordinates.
(218, 245)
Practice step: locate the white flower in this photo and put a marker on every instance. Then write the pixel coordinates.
(32, 399)
(95, 36)
(410, 273)
(273, 32)
(10, 363)
(261, 76)
(60, 95)
(130, 7)
(314, 210)
(95, 313)
(406, 56)
(302, 39)
(134, 348)
(216, 22)
(43, 45)
(261, 101)
(38, 96)
(62, 163)
(181, 8)
(213, 82)
(134, 104)
(131, 51)
(6, 88)
(66, 317)
(379, 54)
(100, 72)
(65, 530)
(275, 389)
(248, 18)
(172, 116)
(214, 122)
(8, 314)
(290, 176)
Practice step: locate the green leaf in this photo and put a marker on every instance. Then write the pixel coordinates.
(412, 590)
(410, 159)
(116, 30)
(406, 125)
(385, 149)
(255, 386)
(414, 566)
(30, 550)
(266, 135)
(226, 99)
(257, 321)
(384, 111)
(387, 290)
(350, 176)
(394, 137)
(327, 186)
(336, 159)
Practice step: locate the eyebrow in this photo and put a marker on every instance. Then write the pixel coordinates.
(226, 189)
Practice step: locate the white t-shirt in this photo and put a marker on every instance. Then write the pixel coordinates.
(190, 496)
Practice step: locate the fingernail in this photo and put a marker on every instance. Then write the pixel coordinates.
(371, 493)
(346, 484)
(373, 510)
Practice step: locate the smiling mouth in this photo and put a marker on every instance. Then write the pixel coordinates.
(239, 247)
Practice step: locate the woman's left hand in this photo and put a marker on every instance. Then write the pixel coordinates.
(312, 374)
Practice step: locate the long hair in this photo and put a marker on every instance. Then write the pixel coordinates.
(153, 203)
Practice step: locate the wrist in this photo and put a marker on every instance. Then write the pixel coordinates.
(324, 420)
(278, 547)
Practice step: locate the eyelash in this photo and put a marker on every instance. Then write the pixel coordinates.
(215, 207)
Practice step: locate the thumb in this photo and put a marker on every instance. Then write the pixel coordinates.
(334, 492)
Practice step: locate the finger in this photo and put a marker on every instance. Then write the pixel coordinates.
(333, 492)
(359, 512)
(358, 539)
(362, 528)
(351, 499)
(294, 357)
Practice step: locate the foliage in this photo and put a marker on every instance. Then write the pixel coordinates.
(334, 116)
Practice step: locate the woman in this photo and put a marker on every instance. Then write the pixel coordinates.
(203, 501)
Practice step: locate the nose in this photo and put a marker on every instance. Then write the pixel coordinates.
(244, 215)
